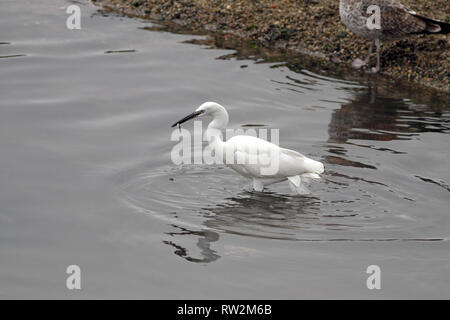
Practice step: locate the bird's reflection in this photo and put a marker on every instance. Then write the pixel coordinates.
(376, 116)
(263, 215)
(206, 237)
(267, 214)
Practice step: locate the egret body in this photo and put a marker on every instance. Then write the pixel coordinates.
(254, 158)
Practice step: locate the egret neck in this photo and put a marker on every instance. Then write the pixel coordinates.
(214, 131)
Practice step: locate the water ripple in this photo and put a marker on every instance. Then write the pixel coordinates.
(214, 198)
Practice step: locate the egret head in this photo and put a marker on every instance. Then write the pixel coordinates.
(212, 109)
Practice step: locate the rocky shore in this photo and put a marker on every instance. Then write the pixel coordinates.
(311, 27)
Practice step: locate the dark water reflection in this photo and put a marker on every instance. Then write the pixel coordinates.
(205, 238)
(374, 116)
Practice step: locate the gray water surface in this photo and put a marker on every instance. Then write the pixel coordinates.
(87, 179)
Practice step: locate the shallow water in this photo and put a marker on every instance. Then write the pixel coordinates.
(86, 175)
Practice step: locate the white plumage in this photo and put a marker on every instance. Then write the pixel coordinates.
(254, 158)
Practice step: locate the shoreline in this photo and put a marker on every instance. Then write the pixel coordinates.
(308, 27)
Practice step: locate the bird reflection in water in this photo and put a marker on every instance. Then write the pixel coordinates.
(267, 215)
(206, 237)
(379, 116)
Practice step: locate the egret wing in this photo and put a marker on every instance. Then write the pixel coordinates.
(294, 163)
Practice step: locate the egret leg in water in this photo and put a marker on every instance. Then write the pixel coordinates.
(254, 158)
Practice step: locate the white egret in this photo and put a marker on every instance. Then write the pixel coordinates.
(256, 156)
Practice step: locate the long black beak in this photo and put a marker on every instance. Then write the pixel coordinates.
(189, 117)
